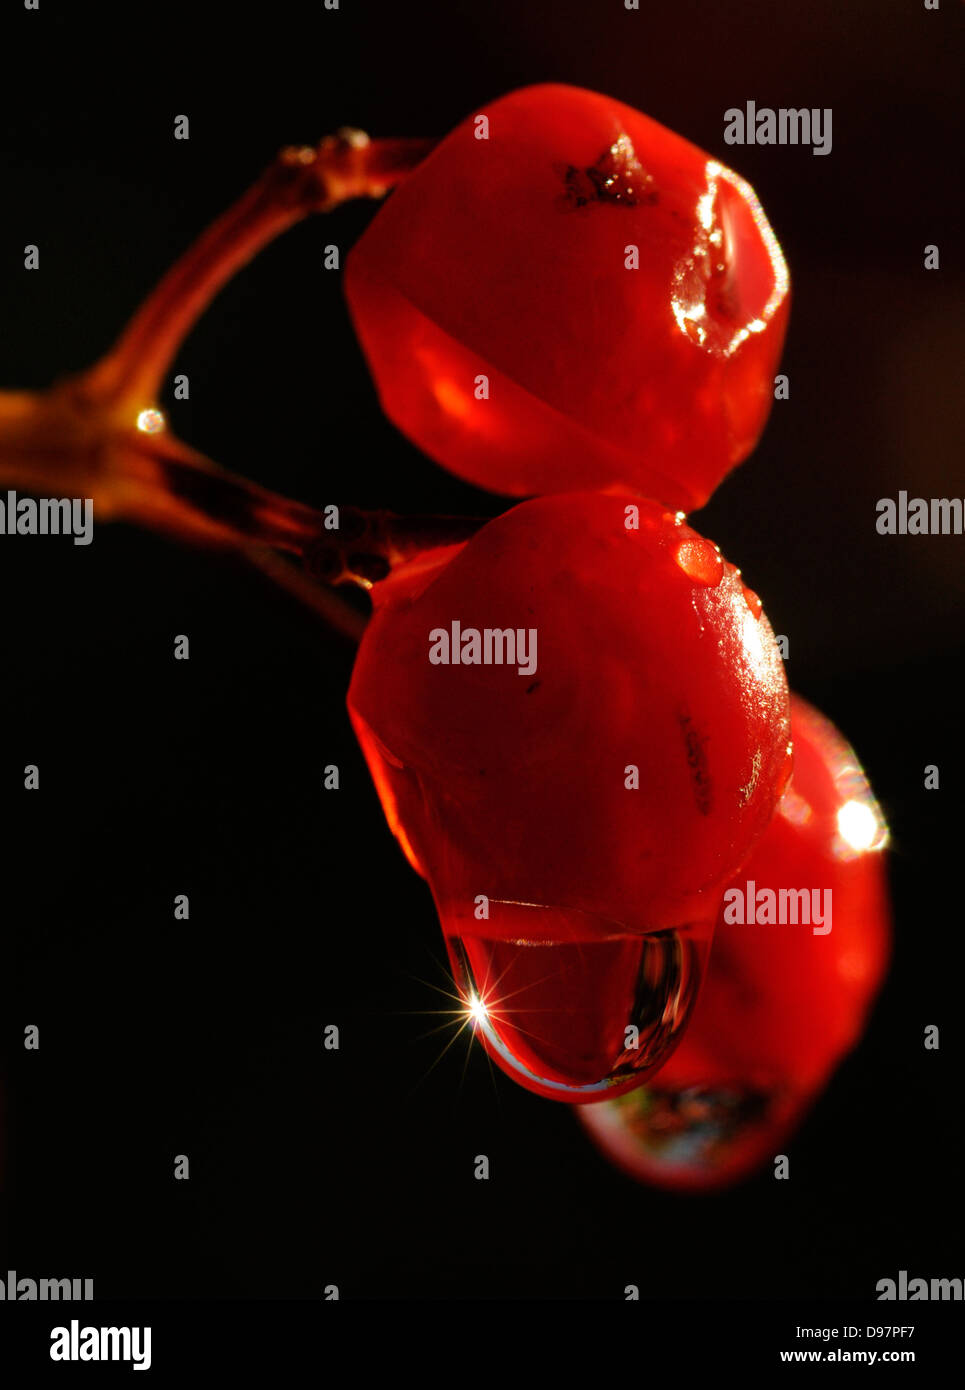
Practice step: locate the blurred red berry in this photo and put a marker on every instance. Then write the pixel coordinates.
(781, 1005)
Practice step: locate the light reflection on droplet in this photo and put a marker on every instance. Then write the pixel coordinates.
(476, 1009)
(150, 421)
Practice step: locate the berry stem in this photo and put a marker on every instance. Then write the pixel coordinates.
(52, 444)
(86, 436)
(169, 486)
(300, 181)
(326, 602)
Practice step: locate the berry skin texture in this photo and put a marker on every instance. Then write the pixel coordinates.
(507, 259)
(780, 1005)
(517, 787)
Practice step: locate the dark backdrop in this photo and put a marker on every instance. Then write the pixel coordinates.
(204, 1038)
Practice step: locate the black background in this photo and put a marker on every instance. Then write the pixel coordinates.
(160, 777)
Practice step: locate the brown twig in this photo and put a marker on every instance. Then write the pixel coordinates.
(302, 180)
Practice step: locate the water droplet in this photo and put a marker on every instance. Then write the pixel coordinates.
(555, 1014)
(700, 560)
(692, 1137)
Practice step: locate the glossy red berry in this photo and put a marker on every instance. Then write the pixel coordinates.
(577, 809)
(581, 299)
(781, 1003)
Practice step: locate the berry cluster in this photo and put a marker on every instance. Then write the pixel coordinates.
(780, 1007)
(578, 721)
(575, 715)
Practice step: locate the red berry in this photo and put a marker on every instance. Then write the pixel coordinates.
(781, 1005)
(597, 799)
(507, 259)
